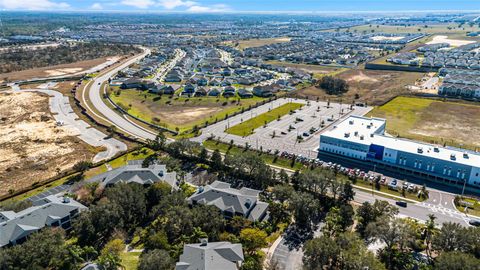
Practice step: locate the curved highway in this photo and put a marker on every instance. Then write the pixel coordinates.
(106, 113)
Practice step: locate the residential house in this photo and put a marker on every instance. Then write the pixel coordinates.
(262, 91)
(214, 92)
(51, 211)
(244, 93)
(241, 202)
(133, 172)
(211, 256)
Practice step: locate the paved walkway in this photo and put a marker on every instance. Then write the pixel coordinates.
(64, 115)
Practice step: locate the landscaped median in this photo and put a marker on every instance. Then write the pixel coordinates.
(270, 159)
(246, 128)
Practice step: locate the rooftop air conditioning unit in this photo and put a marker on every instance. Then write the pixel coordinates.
(420, 150)
(361, 137)
(452, 156)
(436, 149)
(350, 122)
(465, 155)
(347, 134)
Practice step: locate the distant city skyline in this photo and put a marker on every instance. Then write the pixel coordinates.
(219, 6)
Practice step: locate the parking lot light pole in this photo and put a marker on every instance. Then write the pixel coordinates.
(464, 184)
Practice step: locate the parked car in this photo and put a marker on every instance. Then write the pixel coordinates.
(306, 134)
(474, 222)
(401, 203)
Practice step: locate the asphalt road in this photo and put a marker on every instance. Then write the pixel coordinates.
(106, 113)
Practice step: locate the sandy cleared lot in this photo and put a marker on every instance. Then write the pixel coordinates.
(32, 148)
(381, 38)
(52, 71)
(452, 42)
(372, 86)
(243, 44)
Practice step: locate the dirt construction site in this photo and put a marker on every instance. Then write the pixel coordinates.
(32, 147)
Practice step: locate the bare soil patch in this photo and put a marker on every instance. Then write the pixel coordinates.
(374, 87)
(52, 71)
(250, 43)
(32, 148)
(180, 115)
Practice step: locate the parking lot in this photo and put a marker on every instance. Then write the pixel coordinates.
(297, 133)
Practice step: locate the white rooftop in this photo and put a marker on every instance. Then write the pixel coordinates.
(367, 131)
(357, 129)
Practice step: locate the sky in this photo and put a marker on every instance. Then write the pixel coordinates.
(205, 6)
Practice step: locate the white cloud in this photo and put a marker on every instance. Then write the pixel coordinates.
(171, 4)
(96, 6)
(142, 4)
(212, 8)
(33, 4)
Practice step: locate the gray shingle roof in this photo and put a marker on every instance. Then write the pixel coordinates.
(14, 226)
(210, 256)
(242, 201)
(134, 173)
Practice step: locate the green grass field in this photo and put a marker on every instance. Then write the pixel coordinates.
(453, 29)
(130, 260)
(179, 112)
(432, 120)
(246, 128)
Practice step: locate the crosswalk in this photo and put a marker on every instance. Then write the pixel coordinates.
(439, 209)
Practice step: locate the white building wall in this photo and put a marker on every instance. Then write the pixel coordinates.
(342, 151)
(474, 178)
(390, 155)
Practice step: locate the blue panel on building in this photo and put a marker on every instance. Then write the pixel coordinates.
(376, 151)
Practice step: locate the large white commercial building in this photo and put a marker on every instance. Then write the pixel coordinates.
(364, 139)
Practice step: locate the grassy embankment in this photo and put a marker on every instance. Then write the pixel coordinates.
(432, 121)
(180, 113)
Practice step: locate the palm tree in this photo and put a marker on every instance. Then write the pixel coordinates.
(423, 192)
(429, 232)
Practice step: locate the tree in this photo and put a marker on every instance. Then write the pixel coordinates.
(456, 260)
(345, 252)
(333, 223)
(158, 143)
(333, 86)
(203, 156)
(93, 227)
(368, 212)
(131, 202)
(450, 237)
(347, 195)
(253, 239)
(320, 252)
(305, 209)
(396, 234)
(430, 231)
(157, 259)
(216, 159)
(82, 166)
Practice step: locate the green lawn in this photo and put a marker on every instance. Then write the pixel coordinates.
(130, 260)
(473, 209)
(246, 128)
(268, 158)
(453, 123)
(179, 112)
